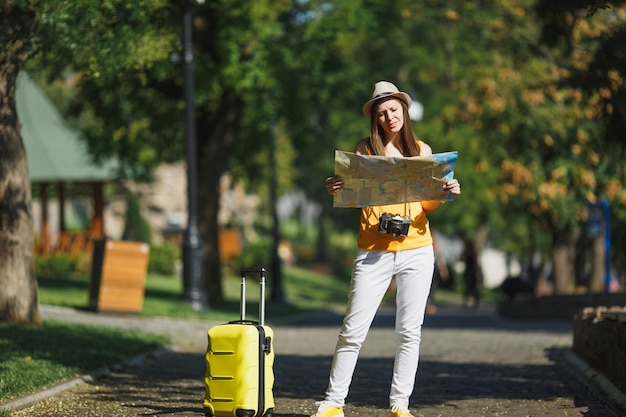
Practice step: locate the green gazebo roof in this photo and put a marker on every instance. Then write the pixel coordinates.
(55, 152)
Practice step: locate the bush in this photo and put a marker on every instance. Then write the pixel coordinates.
(163, 259)
(59, 265)
(257, 253)
(136, 227)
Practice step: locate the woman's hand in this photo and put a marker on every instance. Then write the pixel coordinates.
(453, 186)
(333, 184)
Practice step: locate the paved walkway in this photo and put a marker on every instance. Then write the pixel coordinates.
(472, 364)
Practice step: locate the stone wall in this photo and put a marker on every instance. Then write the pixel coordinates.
(163, 203)
(531, 307)
(600, 339)
(159, 201)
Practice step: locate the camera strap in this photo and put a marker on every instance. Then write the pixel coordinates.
(380, 210)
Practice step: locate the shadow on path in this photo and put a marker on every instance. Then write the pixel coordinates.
(446, 318)
(174, 386)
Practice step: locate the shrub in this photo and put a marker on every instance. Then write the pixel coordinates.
(136, 227)
(163, 259)
(257, 253)
(59, 265)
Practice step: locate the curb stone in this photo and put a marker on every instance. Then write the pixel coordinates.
(597, 381)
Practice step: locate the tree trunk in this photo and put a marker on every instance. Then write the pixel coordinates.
(480, 237)
(216, 139)
(563, 251)
(18, 298)
(596, 281)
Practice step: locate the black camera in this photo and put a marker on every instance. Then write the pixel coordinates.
(394, 225)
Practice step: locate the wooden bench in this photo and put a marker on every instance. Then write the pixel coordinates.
(118, 276)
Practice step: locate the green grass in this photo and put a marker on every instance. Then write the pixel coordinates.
(454, 297)
(34, 356)
(305, 291)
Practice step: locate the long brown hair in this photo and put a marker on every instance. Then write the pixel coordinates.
(408, 139)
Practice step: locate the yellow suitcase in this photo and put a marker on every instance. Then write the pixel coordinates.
(239, 363)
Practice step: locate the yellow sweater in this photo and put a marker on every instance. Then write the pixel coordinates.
(371, 239)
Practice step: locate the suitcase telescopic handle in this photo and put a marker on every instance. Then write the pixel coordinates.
(244, 273)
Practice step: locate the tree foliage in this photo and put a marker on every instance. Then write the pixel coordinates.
(555, 122)
(529, 92)
(129, 90)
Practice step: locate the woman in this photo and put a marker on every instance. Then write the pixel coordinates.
(381, 256)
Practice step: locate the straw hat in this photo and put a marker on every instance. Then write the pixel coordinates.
(383, 89)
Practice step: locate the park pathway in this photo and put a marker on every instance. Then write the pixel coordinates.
(473, 364)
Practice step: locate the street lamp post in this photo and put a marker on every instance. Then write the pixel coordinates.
(193, 289)
(277, 295)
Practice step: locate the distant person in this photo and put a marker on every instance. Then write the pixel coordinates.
(440, 274)
(383, 254)
(471, 275)
(285, 252)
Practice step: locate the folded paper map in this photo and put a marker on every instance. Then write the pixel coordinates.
(380, 180)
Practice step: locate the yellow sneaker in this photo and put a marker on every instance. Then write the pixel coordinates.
(397, 411)
(326, 409)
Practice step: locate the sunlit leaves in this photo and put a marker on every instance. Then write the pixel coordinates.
(104, 38)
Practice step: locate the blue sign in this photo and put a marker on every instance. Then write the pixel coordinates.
(599, 221)
(594, 221)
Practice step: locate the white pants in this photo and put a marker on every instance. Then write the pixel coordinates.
(371, 276)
